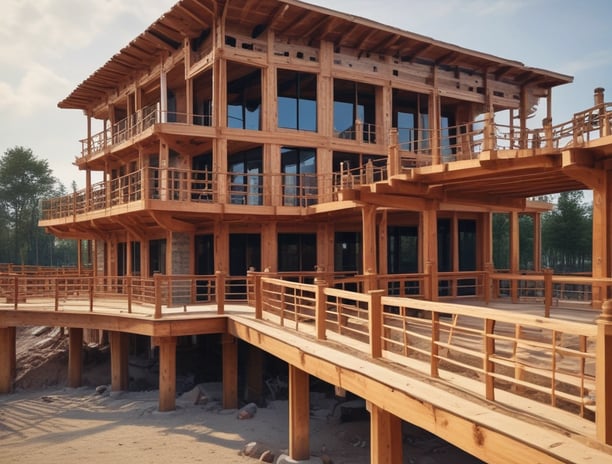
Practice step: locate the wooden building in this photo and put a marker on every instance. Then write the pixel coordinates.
(242, 137)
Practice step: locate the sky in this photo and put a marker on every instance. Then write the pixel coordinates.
(48, 47)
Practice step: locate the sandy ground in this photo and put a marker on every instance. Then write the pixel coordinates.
(64, 425)
(45, 422)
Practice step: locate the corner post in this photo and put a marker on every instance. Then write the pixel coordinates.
(603, 374)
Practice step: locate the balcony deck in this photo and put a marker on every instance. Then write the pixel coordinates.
(422, 375)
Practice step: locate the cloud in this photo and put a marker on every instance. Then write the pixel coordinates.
(592, 60)
(44, 29)
(37, 89)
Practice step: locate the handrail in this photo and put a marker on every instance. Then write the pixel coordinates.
(497, 353)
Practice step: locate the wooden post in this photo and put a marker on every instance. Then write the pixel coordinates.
(167, 373)
(56, 294)
(369, 237)
(75, 357)
(258, 297)
(385, 436)
(8, 353)
(157, 281)
(220, 284)
(375, 312)
(91, 293)
(254, 374)
(119, 361)
(603, 375)
(230, 371)
(435, 348)
(299, 414)
(320, 309)
(16, 292)
(486, 283)
(128, 281)
(548, 291)
(488, 365)
(514, 254)
(395, 162)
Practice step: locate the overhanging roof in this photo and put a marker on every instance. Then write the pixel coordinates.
(291, 18)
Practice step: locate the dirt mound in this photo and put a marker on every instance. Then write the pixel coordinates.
(42, 359)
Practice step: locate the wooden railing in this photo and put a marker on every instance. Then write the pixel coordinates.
(492, 353)
(499, 355)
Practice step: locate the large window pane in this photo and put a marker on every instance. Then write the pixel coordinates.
(299, 170)
(297, 100)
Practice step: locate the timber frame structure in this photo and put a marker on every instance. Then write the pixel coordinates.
(319, 166)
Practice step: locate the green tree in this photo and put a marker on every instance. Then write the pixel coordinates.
(567, 234)
(24, 181)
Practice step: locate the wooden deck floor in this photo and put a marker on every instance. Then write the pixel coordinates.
(512, 429)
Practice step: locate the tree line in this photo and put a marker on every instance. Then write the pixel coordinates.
(25, 180)
(567, 233)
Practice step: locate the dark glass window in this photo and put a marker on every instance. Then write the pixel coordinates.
(243, 97)
(246, 180)
(297, 252)
(354, 102)
(297, 100)
(299, 168)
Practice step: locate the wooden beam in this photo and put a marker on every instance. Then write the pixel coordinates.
(167, 373)
(7, 359)
(167, 222)
(299, 414)
(385, 436)
(119, 361)
(75, 357)
(230, 371)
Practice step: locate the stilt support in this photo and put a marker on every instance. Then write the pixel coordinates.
(167, 373)
(8, 359)
(385, 436)
(299, 414)
(230, 371)
(119, 361)
(75, 357)
(255, 381)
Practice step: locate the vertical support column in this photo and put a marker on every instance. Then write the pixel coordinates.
(299, 414)
(368, 215)
(537, 242)
(75, 357)
(514, 253)
(8, 358)
(255, 373)
(602, 246)
(385, 436)
(119, 361)
(230, 371)
(603, 375)
(429, 258)
(167, 373)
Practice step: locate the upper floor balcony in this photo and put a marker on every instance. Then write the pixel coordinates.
(409, 148)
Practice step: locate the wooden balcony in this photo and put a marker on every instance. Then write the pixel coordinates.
(487, 358)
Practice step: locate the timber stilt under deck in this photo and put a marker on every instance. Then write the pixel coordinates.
(457, 370)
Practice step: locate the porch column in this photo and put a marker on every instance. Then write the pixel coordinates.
(537, 242)
(119, 361)
(255, 374)
(602, 248)
(167, 373)
(75, 357)
(429, 257)
(514, 253)
(385, 436)
(230, 371)
(368, 217)
(299, 414)
(8, 358)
